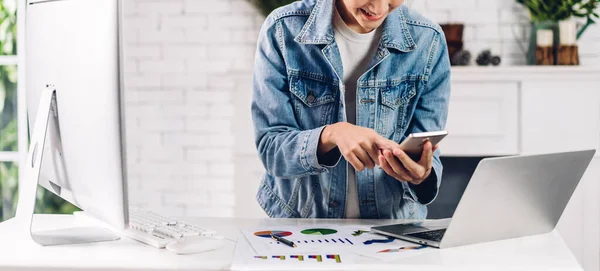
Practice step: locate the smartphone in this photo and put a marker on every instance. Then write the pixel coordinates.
(413, 144)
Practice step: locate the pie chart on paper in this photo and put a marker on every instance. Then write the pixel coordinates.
(267, 234)
(318, 231)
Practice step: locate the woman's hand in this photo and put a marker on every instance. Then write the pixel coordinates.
(399, 165)
(359, 145)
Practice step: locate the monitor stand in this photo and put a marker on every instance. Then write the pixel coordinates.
(28, 184)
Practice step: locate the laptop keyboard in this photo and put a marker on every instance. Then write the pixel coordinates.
(435, 235)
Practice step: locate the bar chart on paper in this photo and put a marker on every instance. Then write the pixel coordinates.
(246, 259)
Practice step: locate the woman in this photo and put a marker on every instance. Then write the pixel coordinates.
(337, 84)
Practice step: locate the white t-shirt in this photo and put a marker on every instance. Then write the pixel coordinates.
(356, 51)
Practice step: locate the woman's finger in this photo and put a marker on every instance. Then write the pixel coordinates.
(355, 162)
(396, 166)
(384, 143)
(387, 168)
(373, 151)
(413, 168)
(364, 157)
(426, 156)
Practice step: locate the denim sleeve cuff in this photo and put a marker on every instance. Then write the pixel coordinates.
(331, 158)
(427, 191)
(310, 157)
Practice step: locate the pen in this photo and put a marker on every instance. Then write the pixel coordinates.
(283, 240)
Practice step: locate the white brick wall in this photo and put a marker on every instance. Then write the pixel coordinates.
(186, 60)
(188, 87)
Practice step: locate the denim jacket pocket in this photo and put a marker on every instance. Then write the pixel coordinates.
(313, 100)
(395, 99)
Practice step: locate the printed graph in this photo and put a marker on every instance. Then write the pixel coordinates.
(391, 250)
(316, 257)
(339, 241)
(334, 257)
(319, 231)
(300, 258)
(267, 234)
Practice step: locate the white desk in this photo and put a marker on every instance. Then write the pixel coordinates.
(542, 252)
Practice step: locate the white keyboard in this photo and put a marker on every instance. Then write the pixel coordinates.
(158, 231)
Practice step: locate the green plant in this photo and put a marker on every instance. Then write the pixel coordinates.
(558, 10)
(9, 175)
(266, 6)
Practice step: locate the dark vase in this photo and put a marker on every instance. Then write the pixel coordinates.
(535, 26)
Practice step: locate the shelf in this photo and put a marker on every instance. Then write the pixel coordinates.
(519, 73)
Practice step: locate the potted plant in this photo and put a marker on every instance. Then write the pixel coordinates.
(546, 14)
(266, 6)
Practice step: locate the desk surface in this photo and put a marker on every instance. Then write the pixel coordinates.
(541, 252)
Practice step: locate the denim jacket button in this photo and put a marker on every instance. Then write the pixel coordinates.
(310, 98)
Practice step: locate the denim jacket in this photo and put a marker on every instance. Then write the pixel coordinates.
(297, 91)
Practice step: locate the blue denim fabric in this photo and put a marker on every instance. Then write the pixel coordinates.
(297, 91)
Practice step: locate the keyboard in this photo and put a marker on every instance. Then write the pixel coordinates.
(435, 235)
(158, 231)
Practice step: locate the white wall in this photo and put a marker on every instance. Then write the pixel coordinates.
(188, 88)
(186, 64)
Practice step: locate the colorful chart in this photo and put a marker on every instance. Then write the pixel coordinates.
(344, 241)
(267, 234)
(381, 241)
(336, 257)
(401, 249)
(318, 231)
(317, 257)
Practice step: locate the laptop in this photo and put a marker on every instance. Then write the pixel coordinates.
(507, 197)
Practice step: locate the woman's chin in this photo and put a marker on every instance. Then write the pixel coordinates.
(369, 25)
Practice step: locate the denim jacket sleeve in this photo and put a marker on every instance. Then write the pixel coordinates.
(285, 150)
(431, 113)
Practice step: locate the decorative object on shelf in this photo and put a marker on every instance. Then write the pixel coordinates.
(546, 15)
(496, 60)
(454, 38)
(267, 6)
(567, 52)
(542, 27)
(461, 58)
(544, 51)
(486, 58)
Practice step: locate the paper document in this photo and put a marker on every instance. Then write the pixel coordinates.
(329, 239)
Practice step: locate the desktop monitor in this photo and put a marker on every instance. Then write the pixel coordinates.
(74, 45)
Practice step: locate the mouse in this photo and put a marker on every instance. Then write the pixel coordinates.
(195, 244)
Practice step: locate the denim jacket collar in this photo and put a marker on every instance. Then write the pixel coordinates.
(395, 33)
